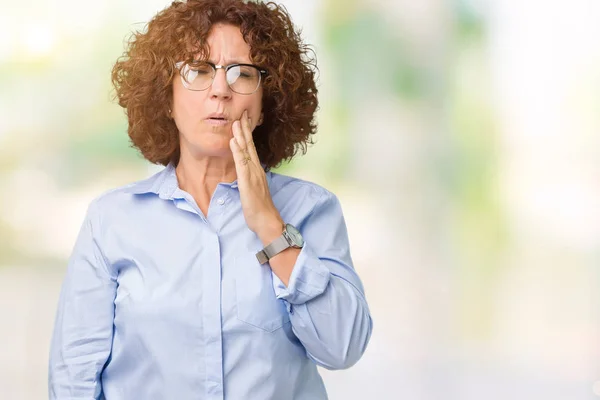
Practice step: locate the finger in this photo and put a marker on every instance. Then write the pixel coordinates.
(235, 149)
(238, 135)
(239, 156)
(246, 124)
(247, 130)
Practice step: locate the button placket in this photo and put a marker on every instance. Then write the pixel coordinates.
(217, 208)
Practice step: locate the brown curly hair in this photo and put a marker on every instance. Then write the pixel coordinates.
(143, 75)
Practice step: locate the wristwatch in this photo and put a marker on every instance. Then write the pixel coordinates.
(290, 237)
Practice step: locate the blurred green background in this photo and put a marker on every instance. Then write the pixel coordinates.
(462, 137)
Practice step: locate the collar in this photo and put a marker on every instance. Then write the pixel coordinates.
(164, 184)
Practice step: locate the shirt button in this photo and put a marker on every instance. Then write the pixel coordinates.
(221, 202)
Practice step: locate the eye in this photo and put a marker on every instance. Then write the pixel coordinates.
(247, 72)
(202, 69)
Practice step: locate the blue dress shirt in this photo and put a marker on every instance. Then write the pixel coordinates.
(162, 302)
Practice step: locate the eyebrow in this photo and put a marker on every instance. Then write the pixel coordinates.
(229, 62)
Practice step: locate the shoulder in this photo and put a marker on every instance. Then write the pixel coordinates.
(124, 195)
(286, 183)
(291, 189)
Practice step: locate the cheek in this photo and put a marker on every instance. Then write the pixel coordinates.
(188, 106)
(254, 107)
(185, 103)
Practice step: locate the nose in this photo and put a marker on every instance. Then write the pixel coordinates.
(220, 88)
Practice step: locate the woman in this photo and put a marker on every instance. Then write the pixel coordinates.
(215, 278)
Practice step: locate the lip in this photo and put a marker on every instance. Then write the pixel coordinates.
(216, 122)
(217, 119)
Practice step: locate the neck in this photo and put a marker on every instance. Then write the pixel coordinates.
(200, 176)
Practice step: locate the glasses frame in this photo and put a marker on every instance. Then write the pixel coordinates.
(215, 68)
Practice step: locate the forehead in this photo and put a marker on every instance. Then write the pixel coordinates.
(226, 44)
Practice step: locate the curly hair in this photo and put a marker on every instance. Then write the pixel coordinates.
(144, 74)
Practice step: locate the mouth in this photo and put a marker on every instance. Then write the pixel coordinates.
(217, 120)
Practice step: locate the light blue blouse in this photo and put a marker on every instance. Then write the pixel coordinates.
(162, 302)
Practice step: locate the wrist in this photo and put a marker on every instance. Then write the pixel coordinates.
(271, 230)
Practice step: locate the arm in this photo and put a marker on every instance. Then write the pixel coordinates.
(324, 295)
(82, 337)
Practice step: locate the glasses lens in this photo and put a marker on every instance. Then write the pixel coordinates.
(243, 79)
(198, 76)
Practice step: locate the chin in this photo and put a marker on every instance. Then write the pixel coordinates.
(207, 143)
(212, 150)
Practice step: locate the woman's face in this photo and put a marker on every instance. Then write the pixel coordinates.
(199, 133)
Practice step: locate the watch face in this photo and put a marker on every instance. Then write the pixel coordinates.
(294, 235)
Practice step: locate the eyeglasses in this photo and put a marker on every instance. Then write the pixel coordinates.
(241, 78)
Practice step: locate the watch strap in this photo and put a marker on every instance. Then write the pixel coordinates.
(274, 248)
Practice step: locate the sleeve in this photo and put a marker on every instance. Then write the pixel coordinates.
(325, 297)
(82, 337)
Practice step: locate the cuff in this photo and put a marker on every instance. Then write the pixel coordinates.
(309, 279)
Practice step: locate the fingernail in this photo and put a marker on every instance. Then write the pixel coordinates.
(246, 114)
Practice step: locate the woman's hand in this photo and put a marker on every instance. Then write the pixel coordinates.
(259, 211)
